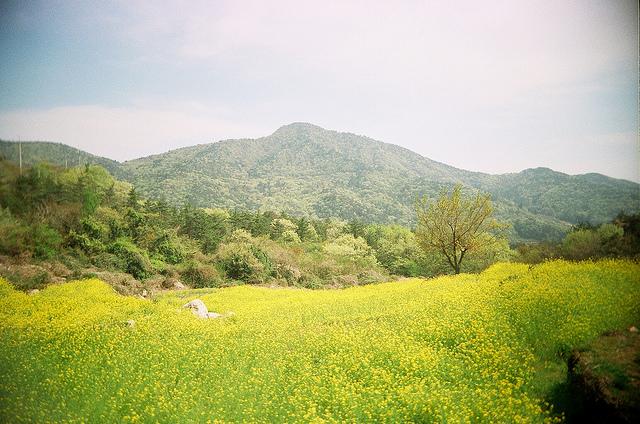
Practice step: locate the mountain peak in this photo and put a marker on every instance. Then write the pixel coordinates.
(298, 127)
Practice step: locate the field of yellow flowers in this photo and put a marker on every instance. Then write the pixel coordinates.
(461, 349)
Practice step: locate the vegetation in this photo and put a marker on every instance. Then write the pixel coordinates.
(470, 347)
(35, 152)
(304, 170)
(454, 225)
(486, 347)
(603, 377)
(65, 223)
(619, 238)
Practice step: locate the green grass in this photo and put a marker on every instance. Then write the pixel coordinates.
(485, 347)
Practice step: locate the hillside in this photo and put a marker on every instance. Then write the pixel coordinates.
(303, 169)
(59, 154)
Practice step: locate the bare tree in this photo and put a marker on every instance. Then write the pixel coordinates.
(454, 225)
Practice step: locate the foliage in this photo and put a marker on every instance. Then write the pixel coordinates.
(169, 248)
(462, 348)
(239, 262)
(14, 237)
(454, 225)
(351, 248)
(45, 240)
(616, 239)
(136, 260)
(85, 213)
(208, 229)
(199, 275)
(305, 170)
(397, 250)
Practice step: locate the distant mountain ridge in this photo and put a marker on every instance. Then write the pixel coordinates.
(303, 169)
(59, 154)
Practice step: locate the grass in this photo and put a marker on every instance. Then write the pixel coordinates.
(464, 348)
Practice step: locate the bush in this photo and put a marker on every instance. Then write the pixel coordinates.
(85, 242)
(351, 249)
(94, 228)
(239, 263)
(45, 240)
(136, 260)
(535, 253)
(169, 249)
(28, 281)
(290, 236)
(108, 261)
(199, 275)
(14, 237)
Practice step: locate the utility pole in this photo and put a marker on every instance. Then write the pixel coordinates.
(20, 153)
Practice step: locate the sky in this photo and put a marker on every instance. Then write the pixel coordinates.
(491, 86)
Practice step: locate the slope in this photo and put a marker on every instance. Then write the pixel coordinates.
(303, 169)
(55, 153)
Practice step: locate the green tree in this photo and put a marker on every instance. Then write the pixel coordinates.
(454, 225)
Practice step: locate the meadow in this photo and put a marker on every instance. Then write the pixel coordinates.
(469, 348)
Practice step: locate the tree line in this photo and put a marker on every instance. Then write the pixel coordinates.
(84, 221)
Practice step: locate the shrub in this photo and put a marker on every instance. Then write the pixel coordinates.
(169, 249)
(85, 242)
(353, 249)
(14, 238)
(108, 261)
(113, 220)
(94, 228)
(199, 275)
(29, 280)
(239, 263)
(45, 241)
(281, 225)
(535, 253)
(241, 236)
(290, 236)
(136, 260)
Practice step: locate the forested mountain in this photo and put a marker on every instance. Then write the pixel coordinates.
(34, 152)
(303, 169)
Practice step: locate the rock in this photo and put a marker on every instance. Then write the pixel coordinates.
(198, 307)
(34, 291)
(144, 293)
(178, 285)
(633, 329)
(131, 323)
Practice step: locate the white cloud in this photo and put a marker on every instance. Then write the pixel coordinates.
(482, 52)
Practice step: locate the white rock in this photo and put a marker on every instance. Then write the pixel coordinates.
(178, 285)
(34, 291)
(131, 323)
(198, 307)
(213, 315)
(144, 293)
(633, 329)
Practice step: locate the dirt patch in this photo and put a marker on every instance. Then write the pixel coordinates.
(27, 276)
(605, 378)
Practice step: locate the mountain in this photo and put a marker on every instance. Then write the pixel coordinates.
(303, 169)
(55, 153)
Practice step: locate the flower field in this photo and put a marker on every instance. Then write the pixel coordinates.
(463, 348)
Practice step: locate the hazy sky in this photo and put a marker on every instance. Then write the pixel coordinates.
(494, 86)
